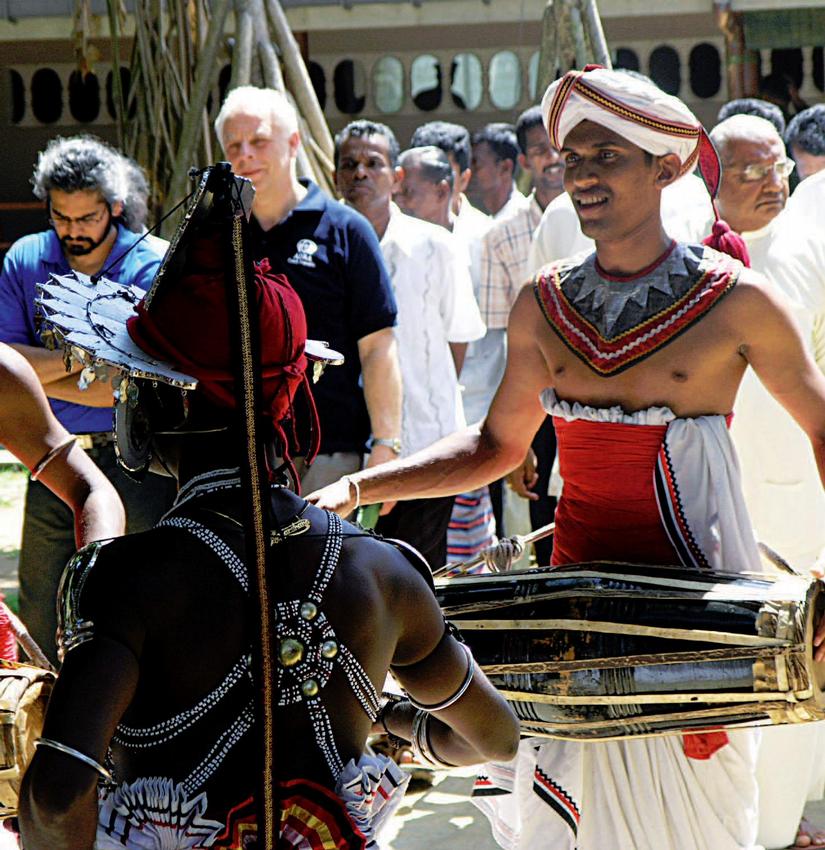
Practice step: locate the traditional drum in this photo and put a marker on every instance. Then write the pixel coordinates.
(598, 651)
(24, 695)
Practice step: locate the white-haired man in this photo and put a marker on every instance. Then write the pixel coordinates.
(637, 351)
(783, 493)
(85, 184)
(332, 258)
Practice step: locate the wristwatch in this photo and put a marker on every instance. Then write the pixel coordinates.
(394, 443)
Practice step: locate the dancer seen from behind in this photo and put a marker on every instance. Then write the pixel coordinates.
(157, 702)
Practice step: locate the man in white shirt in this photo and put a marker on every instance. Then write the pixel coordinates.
(805, 141)
(782, 490)
(494, 165)
(436, 307)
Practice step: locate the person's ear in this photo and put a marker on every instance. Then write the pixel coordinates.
(464, 180)
(294, 143)
(522, 162)
(398, 178)
(669, 168)
(117, 209)
(444, 190)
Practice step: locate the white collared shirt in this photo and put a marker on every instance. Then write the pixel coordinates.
(430, 276)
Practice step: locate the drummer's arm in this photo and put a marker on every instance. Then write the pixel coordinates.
(470, 458)
(432, 666)
(773, 346)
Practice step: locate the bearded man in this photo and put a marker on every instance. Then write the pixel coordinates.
(637, 351)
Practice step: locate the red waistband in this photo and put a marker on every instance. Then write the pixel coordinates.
(608, 508)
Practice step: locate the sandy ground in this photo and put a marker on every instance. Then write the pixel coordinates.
(432, 818)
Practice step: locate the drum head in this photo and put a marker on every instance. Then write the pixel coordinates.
(816, 610)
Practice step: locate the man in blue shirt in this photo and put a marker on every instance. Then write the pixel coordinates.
(85, 184)
(332, 258)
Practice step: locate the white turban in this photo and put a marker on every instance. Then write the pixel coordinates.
(636, 109)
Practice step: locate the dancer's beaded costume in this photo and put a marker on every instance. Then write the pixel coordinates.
(174, 811)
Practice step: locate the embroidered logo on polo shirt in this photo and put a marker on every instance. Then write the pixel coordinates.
(304, 251)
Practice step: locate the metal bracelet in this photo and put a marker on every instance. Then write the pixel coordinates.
(421, 745)
(49, 457)
(71, 751)
(351, 482)
(462, 688)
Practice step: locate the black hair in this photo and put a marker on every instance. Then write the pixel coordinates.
(501, 139)
(432, 162)
(363, 129)
(753, 106)
(528, 119)
(451, 138)
(806, 131)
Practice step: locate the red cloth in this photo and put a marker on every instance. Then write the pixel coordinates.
(608, 510)
(8, 639)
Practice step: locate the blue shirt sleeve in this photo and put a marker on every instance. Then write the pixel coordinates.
(372, 302)
(17, 296)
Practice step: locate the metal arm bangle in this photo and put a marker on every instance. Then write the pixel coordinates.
(421, 744)
(351, 482)
(462, 688)
(49, 457)
(71, 751)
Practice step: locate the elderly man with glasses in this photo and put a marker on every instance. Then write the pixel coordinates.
(782, 491)
(85, 184)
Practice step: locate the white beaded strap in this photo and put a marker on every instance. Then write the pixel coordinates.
(76, 754)
(462, 688)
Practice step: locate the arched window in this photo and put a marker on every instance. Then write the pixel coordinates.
(224, 78)
(705, 70)
(788, 61)
(504, 85)
(17, 97)
(425, 82)
(125, 84)
(318, 78)
(84, 96)
(350, 83)
(388, 84)
(47, 95)
(466, 81)
(666, 69)
(624, 57)
(819, 68)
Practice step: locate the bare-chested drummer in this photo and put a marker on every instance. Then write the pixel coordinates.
(637, 351)
(156, 693)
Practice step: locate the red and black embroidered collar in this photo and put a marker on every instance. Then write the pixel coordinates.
(611, 323)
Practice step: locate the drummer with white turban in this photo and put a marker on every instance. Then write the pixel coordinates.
(637, 351)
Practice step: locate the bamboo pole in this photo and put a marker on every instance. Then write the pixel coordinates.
(244, 38)
(598, 42)
(298, 77)
(549, 50)
(188, 142)
(580, 45)
(117, 83)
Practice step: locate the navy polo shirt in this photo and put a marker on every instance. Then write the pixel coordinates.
(30, 261)
(331, 256)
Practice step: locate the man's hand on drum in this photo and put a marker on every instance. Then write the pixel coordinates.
(524, 477)
(818, 572)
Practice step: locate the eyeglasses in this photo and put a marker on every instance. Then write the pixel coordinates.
(59, 220)
(756, 173)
